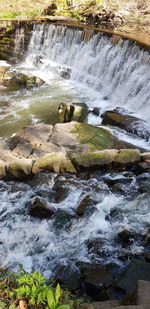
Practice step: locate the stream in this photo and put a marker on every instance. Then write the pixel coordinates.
(102, 75)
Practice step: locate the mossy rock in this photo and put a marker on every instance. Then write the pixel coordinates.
(55, 162)
(97, 138)
(127, 156)
(91, 159)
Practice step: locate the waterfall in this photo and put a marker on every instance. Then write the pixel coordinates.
(119, 74)
(19, 40)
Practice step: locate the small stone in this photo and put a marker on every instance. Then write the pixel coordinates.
(23, 304)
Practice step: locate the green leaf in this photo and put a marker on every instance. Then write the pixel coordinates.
(57, 293)
(51, 299)
(64, 307)
(2, 304)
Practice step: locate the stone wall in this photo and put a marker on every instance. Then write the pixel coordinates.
(8, 30)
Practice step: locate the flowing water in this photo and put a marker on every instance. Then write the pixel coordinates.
(101, 75)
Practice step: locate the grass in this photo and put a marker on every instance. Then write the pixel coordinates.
(22, 8)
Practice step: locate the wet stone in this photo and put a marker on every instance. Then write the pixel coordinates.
(126, 236)
(61, 194)
(4, 104)
(137, 270)
(70, 277)
(96, 280)
(62, 219)
(40, 209)
(85, 202)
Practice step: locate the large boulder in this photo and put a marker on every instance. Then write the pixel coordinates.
(127, 122)
(65, 147)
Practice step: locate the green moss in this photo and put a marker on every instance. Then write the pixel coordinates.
(96, 138)
(128, 156)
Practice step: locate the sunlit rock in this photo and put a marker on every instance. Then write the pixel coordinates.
(69, 112)
(55, 162)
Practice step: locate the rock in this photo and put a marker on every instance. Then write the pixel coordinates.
(145, 157)
(70, 277)
(97, 138)
(108, 304)
(133, 307)
(61, 194)
(34, 135)
(126, 236)
(23, 304)
(65, 73)
(96, 280)
(15, 79)
(63, 219)
(137, 270)
(126, 156)
(143, 167)
(147, 256)
(116, 39)
(66, 147)
(19, 168)
(39, 208)
(4, 104)
(50, 10)
(84, 203)
(127, 122)
(2, 170)
(95, 111)
(23, 149)
(69, 112)
(97, 158)
(95, 245)
(57, 162)
(141, 295)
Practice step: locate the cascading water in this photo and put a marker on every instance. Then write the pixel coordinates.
(119, 73)
(99, 74)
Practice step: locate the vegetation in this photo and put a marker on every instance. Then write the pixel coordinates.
(34, 290)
